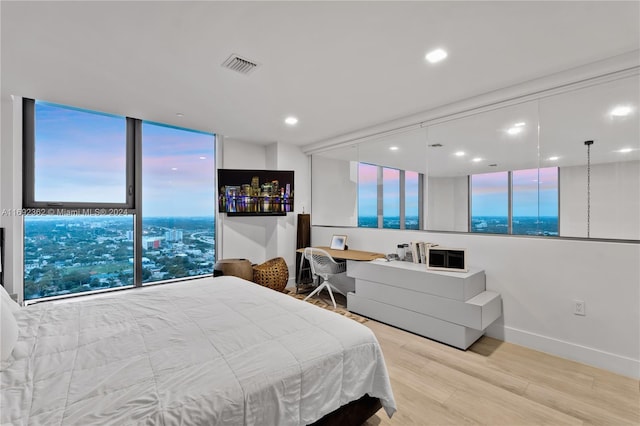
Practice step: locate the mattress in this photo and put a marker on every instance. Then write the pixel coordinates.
(212, 351)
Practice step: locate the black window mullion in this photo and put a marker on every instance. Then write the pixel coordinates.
(132, 158)
(137, 201)
(28, 152)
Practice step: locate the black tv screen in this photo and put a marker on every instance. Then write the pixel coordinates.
(440, 258)
(244, 192)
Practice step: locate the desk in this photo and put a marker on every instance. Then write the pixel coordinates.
(350, 254)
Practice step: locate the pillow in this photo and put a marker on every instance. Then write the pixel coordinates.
(12, 305)
(8, 331)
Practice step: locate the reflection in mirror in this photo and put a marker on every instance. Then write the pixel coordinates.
(479, 145)
(403, 151)
(390, 185)
(490, 202)
(334, 187)
(374, 184)
(522, 169)
(599, 183)
(368, 195)
(534, 201)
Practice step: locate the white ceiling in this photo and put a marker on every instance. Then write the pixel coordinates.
(337, 66)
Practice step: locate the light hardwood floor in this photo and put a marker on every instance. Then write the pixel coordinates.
(497, 383)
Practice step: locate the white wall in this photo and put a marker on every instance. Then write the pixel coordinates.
(11, 192)
(615, 200)
(538, 279)
(243, 237)
(261, 238)
(291, 157)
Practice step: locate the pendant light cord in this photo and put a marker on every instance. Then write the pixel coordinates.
(588, 144)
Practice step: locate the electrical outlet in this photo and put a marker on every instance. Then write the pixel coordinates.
(578, 307)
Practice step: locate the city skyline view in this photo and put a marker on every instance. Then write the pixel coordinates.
(80, 156)
(74, 254)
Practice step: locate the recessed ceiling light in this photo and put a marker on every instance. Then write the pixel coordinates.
(393, 148)
(520, 124)
(514, 130)
(436, 55)
(477, 160)
(554, 158)
(621, 111)
(203, 158)
(291, 121)
(179, 114)
(625, 150)
(174, 168)
(459, 154)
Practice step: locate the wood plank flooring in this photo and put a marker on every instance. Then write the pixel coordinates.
(497, 383)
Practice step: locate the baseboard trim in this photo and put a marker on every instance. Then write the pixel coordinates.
(615, 363)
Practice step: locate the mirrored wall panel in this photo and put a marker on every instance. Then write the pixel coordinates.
(377, 184)
(563, 165)
(469, 161)
(334, 187)
(592, 136)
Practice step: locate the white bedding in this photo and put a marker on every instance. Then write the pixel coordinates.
(211, 351)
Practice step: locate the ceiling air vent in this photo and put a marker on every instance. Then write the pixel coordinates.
(239, 64)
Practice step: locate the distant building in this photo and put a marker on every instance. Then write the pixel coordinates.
(151, 243)
(130, 235)
(174, 235)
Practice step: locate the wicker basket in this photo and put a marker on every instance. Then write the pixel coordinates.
(272, 273)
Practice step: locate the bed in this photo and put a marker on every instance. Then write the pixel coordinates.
(211, 351)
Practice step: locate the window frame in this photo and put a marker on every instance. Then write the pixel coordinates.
(69, 207)
(133, 205)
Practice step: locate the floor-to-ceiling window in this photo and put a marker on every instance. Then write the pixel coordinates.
(178, 203)
(81, 201)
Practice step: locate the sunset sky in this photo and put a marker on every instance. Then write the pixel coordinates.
(80, 156)
(535, 192)
(368, 191)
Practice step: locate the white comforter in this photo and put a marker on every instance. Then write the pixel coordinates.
(213, 351)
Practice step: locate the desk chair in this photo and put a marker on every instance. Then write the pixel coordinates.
(323, 266)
